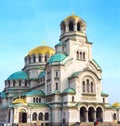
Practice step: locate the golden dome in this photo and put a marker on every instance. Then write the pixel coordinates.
(42, 50)
(73, 17)
(18, 101)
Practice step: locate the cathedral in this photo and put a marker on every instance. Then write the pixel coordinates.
(58, 86)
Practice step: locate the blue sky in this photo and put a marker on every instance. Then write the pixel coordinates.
(25, 24)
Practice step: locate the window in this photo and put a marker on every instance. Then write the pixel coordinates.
(45, 58)
(20, 82)
(83, 83)
(40, 58)
(80, 55)
(103, 100)
(40, 117)
(34, 99)
(71, 26)
(56, 86)
(34, 116)
(72, 98)
(34, 59)
(88, 86)
(46, 116)
(13, 83)
(91, 87)
(77, 55)
(83, 55)
(39, 100)
(78, 26)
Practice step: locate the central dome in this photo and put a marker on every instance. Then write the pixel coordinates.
(42, 50)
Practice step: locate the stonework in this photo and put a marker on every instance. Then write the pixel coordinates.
(58, 87)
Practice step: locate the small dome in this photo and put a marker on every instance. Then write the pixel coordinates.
(19, 101)
(20, 75)
(35, 93)
(69, 91)
(58, 57)
(42, 50)
(116, 104)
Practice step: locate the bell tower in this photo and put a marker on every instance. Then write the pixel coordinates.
(73, 27)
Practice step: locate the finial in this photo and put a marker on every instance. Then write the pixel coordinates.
(72, 12)
(43, 42)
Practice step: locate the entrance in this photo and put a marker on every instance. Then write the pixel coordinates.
(91, 114)
(83, 114)
(22, 116)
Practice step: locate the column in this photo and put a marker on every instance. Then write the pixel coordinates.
(11, 116)
(86, 115)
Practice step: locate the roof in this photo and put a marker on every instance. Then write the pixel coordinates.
(60, 43)
(34, 93)
(96, 63)
(42, 50)
(73, 17)
(19, 101)
(104, 94)
(69, 91)
(3, 95)
(42, 74)
(116, 104)
(58, 57)
(20, 75)
(75, 74)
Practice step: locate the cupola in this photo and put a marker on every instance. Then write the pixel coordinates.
(72, 26)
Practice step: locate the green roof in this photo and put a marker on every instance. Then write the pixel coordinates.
(69, 91)
(75, 74)
(37, 105)
(56, 92)
(34, 93)
(103, 94)
(60, 43)
(96, 63)
(20, 75)
(42, 74)
(3, 95)
(58, 57)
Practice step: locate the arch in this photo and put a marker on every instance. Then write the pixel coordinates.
(34, 58)
(40, 117)
(34, 116)
(46, 116)
(71, 26)
(22, 116)
(78, 26)
(63, 28)
(91, 114)
(83, 111)
(40, 58)
(99, 113)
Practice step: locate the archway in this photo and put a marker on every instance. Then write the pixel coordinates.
(83, 114)
(91, 112)
(22, 116)
(99, 114)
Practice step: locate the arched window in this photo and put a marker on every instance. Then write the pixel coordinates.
(56, 86)
(40, 117)
(25, 83)
(63, 28)
(40, 58)
(88, 86)
(34, 116)
(13, 83)
(20, 82)
(34, 59)
(78, 26)
(72, 98)
(80, 55)
(84, 55)
(77, 55)
(45, 58)
(39, 100)
(71, 26)
(46, 116)
(91, 87)
(83, 87)
(34, 99)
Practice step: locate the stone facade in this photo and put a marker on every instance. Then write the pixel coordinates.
(60, 86)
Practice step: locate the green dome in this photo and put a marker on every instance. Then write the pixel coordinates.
(20, 75)
(35, 93)
(60, 43)
(69, 91)
(42, 74)
(58, 57)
